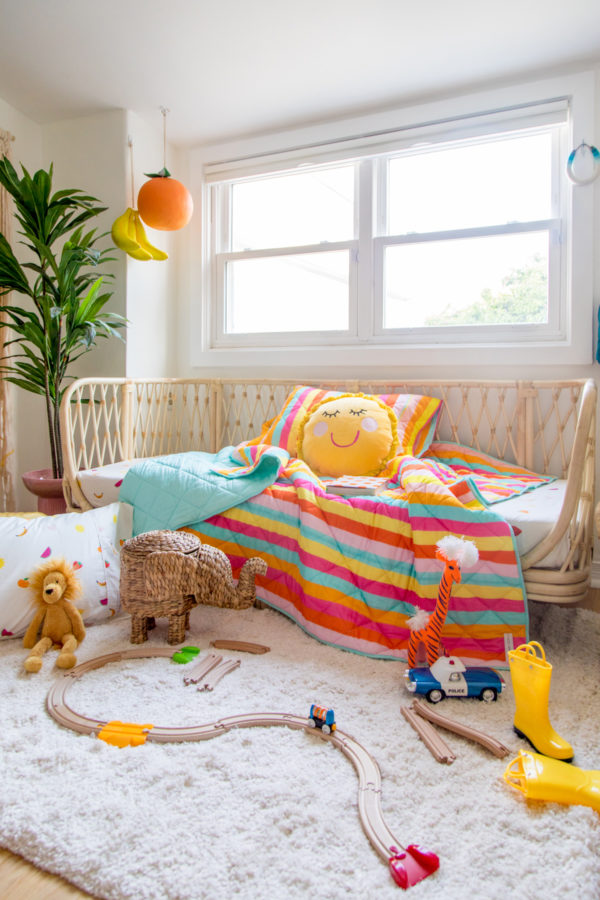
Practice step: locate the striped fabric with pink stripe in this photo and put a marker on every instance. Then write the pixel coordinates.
(351, 571)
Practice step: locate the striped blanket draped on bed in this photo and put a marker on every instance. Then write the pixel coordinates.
(351, 572)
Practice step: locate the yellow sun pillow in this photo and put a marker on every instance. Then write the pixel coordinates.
(352, 434)
(417, 417)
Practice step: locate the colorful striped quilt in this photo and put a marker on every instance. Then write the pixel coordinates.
(352, 571)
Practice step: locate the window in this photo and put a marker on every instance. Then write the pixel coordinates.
(291, 236)
(470, 233)
(457, 233)
(286, 252)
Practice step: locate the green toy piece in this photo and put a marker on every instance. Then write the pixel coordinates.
(185, 655)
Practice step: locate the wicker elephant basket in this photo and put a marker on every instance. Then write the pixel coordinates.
(166, 573)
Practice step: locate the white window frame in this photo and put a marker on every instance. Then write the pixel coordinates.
(569, 335)
(553, 330)
(219, 199)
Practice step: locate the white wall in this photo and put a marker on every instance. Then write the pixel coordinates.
(27, 146)
(31, 442)
(92, 153)
(85, 154)
(152, 286)
(188, 255)
(88, 153)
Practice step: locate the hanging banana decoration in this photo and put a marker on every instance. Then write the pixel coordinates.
(129, 234)
(128, 230)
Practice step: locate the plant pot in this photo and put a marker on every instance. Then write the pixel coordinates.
(47, 489)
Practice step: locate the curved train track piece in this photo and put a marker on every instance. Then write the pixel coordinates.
(436, 745)
(408, 865)
(490, 743)
(244, 646)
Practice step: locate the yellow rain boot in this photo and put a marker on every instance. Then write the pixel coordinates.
(542, 778)
(530, 676)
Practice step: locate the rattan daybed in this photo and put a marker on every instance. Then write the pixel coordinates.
(545, 426)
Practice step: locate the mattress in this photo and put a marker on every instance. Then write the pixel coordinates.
(101, 486)
(531, 515)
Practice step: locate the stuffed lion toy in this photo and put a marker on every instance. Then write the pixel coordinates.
(54, 586)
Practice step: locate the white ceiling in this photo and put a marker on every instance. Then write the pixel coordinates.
(226, 68)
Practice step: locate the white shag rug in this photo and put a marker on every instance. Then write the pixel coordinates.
(272, 812)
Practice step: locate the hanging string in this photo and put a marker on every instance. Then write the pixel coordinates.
(130, 145)
(164, 112)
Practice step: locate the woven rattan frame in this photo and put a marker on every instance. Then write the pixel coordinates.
(547, 426)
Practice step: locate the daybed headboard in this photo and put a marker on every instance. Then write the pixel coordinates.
(546, 426)
(105, 420)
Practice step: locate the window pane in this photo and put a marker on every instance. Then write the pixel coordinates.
(491, 183)
(301, 292)
(292, 210)
(479, 281)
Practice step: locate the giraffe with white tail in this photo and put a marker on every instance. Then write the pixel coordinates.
(456, 553)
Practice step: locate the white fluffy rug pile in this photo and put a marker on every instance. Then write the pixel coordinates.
(271, 812)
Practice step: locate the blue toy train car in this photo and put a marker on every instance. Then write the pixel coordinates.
(322, 718)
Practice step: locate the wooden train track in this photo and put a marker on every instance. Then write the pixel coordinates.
(408, 864)
(418, 708)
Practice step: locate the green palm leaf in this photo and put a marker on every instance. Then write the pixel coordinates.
(65, 296)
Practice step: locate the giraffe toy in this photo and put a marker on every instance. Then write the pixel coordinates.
(456, 554)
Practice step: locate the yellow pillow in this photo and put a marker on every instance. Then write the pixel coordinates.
(352, 434)
(417, 417)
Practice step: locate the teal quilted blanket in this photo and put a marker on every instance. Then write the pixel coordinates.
(175, 490)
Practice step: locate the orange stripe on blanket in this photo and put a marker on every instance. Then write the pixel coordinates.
(318, 591)
(486, 545)
(342, 625)
(368, 530)
(488, 632)
(379, 575)
(323, 592)
(364, 523)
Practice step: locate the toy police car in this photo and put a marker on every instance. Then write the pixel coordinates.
(449, 677)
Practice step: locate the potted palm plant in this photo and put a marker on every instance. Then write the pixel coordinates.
(63, 312)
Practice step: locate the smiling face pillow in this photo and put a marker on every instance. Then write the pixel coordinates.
(354, 434)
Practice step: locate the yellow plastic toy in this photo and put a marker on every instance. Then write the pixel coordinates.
(531, 676)
(124, 734)
(541, 778)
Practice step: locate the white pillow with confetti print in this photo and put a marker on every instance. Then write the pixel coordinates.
(91, 541)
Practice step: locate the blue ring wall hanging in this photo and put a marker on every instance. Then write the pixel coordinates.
(587, 179)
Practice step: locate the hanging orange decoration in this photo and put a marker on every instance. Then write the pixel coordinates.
(163, 202)
(128, 232)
